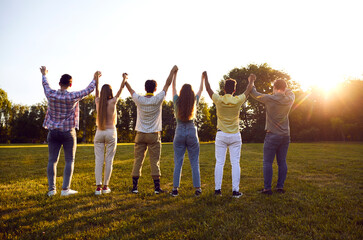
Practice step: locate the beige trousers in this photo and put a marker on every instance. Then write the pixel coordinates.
(104, 139)
(144, 142)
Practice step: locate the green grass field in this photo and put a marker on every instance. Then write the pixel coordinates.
(323, 199)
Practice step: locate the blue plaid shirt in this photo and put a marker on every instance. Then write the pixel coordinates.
(63, 107)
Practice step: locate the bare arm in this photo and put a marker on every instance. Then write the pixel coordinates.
(170, 78)
(174, 84)
(201, 86)
(129, 88)
(251, 82)
(96, 77)
(124, 76)
(207, 86)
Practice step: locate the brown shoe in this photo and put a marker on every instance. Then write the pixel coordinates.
(268, 191)
(280, 190)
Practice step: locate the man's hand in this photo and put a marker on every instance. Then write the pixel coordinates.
(43, 70)
(252, 78)
(97, 75)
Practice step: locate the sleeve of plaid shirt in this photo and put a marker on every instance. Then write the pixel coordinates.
(78, 95)
(83, 93)
(47, 89)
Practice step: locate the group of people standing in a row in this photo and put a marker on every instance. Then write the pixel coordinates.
(63, 117)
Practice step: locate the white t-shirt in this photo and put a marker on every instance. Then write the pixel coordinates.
(148, 112)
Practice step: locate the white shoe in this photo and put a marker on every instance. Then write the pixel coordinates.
(107, 190)
(98, 191)
(68, 192)
(52, 193)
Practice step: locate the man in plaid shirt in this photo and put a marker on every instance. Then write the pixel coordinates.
(62, 119)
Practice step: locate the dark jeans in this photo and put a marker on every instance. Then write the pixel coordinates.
(275, 145)
(56, 139)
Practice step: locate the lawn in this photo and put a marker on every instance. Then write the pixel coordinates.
(323, 198)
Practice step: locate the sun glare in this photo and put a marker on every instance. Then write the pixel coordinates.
(323, 83)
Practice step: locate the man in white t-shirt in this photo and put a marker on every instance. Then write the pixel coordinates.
(148, 128)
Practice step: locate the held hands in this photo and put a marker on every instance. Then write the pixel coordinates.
(175, 69)
(97, 75)
(204, 75)
(252, 78)
(125, 77)
(43, 70)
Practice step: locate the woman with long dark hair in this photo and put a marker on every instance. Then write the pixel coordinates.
(186, 137)
(106, 134)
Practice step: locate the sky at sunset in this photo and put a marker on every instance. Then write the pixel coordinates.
(315, 42)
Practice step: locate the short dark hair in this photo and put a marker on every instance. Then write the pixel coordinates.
(280, 85)
(230, 85)
(66, 80)
(150, 86)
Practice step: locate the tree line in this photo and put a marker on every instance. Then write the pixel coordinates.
(314, 116)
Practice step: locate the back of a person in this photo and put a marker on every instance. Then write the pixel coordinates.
(228, 108)
(277, 110)
(61, 107)
(111, 114)
(149, 112)
(192, 114)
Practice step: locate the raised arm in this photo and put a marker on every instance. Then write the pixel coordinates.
(207, 86)
(201, 86)
(124, 76)
(290, 94)
(45, 83)
(96, 77)
(251, 81)
(174, 84)
(256, 95)
(129, 88)
(170, 78)
(43, 70)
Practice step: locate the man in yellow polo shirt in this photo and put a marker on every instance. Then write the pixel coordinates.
(228, 132)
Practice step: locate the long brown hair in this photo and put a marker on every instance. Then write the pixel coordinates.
(185, 103)
(106, 94)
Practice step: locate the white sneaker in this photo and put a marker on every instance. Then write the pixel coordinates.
(107, 190)
(52, 193)
(98, 191)
(68, 192)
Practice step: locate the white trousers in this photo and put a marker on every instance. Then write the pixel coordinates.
(104, 139)
(233, 141)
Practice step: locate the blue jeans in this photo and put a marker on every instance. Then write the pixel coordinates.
(56, 139)
(186, 138)
(275, 145)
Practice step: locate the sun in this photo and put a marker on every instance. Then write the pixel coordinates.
(324, 82)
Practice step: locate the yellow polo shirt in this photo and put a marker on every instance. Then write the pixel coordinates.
(228, 108)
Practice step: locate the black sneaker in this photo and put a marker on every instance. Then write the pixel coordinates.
(236, 194)
(134, 190)
(159, 190)
(198, 192)
(218, 192)
(174, 193)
